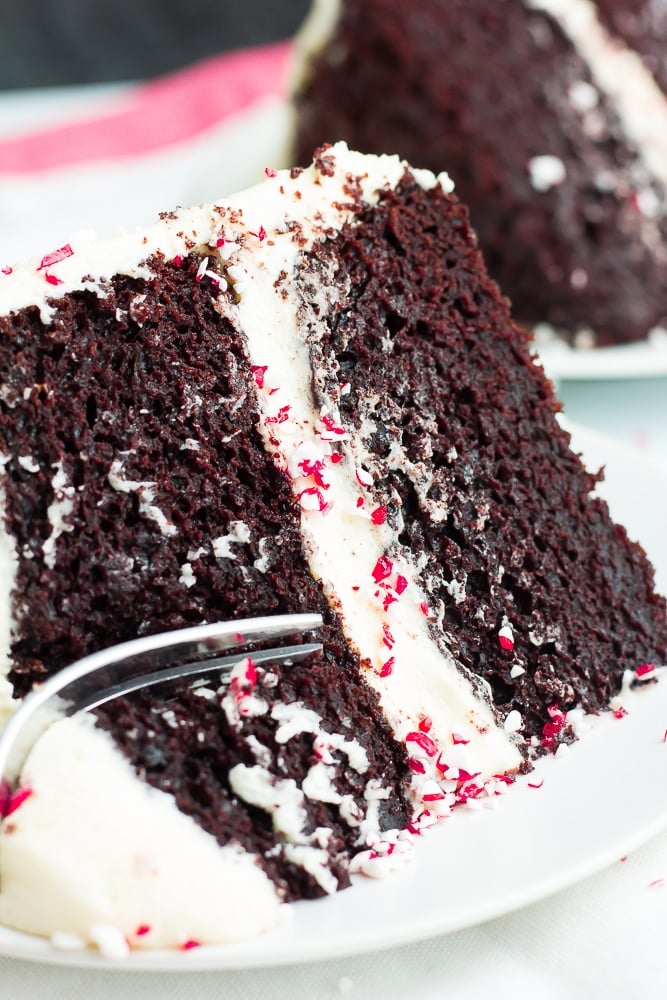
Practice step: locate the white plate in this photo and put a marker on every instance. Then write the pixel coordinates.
(596, 803)
(647, 359)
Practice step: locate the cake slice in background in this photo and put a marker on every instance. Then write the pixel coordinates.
(550, 116)
(308, 397)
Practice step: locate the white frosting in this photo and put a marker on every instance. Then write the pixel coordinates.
(239, 534)
(58, 512)
(620, 74)
(150, 865)
(546, 172)
(424, 680)
(314, 33)
(146, 493)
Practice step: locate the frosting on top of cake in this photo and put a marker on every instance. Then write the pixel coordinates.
(85, 263)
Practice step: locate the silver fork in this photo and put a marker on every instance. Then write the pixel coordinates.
(142, 663)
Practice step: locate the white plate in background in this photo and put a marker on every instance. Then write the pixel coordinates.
(641, 360)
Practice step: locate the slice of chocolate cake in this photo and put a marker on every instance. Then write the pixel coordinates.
(309, 397)
(550, 116)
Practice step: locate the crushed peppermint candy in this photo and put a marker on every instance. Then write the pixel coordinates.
(423, 741)
(513, 722)
(387, 667)
(259, 372)
(306, 459)
(465, 776)
(506, 638)
(312, 498)
(7, 269)
(379, 515)
(331, 430)
(384, 856)
(364, 477)
(280, 417)
(202, 269)
(388, 600)
(314, 470)
(55, 257)
(190, 944)
(432, 792)
(383, 569)
(243, 678)
(387, 636)
(644, 669)
(551, 730)
(10, 800)
(52, 279)
(270, 172)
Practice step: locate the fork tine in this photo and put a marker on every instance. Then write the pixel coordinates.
(52, 698)
(282, 654)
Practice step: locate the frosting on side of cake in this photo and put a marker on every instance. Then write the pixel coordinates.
(154, 875)
(312, 36)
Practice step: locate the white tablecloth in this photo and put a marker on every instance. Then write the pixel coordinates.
(115, 156)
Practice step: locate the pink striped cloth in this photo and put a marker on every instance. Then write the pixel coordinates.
(155, 115)
(104, 160)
